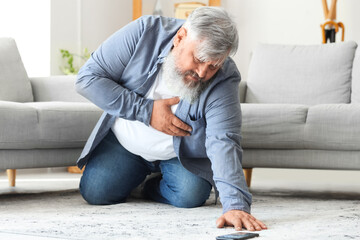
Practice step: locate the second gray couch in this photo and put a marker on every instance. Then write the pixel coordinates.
(301, 107)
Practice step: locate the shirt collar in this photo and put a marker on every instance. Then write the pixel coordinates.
(166, 49)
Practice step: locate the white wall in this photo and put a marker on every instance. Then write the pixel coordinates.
(29, 25)
(285, 22)
(79, 24)
(280, 21)
(167, 6)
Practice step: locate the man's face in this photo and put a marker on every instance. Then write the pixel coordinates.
(187, 60)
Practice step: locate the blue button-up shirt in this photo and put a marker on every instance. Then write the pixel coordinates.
(121, 71)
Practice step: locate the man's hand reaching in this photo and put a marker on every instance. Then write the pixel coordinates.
(164, 120)
(240, 219)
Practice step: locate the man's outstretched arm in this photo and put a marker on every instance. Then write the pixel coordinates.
(223, 137)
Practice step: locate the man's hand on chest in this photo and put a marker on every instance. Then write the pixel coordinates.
(162, 118)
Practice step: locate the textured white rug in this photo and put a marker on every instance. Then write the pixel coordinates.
(65, 215)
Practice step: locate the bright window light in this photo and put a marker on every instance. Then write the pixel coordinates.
(28, 22)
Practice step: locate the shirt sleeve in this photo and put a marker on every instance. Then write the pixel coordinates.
(223, 137)
(99, 79)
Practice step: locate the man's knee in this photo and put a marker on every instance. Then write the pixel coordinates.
(182, 201)
(191, 196)
(97, 194)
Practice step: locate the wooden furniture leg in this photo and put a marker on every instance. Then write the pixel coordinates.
(75, 169)
(11, 176)
(248, 173)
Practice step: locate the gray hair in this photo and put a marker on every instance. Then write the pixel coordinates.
(214, 27)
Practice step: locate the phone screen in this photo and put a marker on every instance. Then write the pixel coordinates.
(237, 235)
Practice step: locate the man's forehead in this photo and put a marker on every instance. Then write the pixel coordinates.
(216, 61)
(200, 53)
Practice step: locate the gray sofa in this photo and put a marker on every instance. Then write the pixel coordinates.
(43, 121)
(301, 107)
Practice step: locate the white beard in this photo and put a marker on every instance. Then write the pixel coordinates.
(175, 81)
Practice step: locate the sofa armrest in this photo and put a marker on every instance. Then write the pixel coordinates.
(242, 91)
(55, 88)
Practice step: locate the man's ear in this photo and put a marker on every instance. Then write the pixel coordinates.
(180, 36)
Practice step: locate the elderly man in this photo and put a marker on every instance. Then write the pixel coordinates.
(169, 93)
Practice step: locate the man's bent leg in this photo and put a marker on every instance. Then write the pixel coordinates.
(178, 186)
(111, 173)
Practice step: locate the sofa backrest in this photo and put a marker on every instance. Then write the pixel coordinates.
(310, 75)
(56, 88)
(355, 83)
(14, 82)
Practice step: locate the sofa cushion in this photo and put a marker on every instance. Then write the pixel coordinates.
(46, 124)
(355, 83)
(18, 125)
(275, 126)
(14, 82)
(56, 88)
(301, 74)
(333, 127)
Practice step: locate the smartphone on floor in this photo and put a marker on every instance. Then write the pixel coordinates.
(237, 235)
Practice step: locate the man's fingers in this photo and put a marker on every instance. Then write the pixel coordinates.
(248, 224)
(169, 132)
(180, 124)
(178, 132)
(163, 120)
(262, 225)
(239, 219)
(172, 101)
(220, 222)
(237, 224)
(256, 225)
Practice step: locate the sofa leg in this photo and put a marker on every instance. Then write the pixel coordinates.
(75, 169)
(248, 173)
(11, 176)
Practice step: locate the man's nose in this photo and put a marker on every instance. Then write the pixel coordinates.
(201, 70)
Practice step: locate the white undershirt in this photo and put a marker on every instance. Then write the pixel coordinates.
(142, 140)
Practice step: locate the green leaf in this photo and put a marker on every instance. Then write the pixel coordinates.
(69, 67)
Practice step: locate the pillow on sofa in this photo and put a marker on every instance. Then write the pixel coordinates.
(355, 81)
(308, 75)
(14, 82)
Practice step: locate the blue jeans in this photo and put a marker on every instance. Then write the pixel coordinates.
(112, 173)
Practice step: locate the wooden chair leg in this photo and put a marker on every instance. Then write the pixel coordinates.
(248, 173)
(11, 176)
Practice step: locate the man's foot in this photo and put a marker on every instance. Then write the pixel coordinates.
(139, 191)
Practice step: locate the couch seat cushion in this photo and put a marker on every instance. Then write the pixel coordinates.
(310, 75)
(46, 124)
(273, 125)
(333, 127)
(14, 82)
(18, 125)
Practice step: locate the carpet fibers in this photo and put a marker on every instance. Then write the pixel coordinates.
(65, 215)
